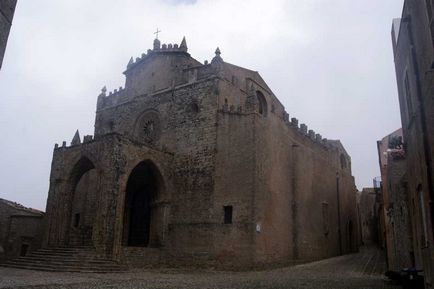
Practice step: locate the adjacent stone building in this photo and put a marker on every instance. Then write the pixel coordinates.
(397, 229)
(7, 9)
(413, 38)
(20, 230)
(199, 164)
(368, 211)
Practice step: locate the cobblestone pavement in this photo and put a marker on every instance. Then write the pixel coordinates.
(362, 270)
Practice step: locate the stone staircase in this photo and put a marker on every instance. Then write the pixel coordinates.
(66, 259)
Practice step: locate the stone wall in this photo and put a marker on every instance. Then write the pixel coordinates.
(20, 230)
(413, 55)
(368, 216)
(7, 9)
(295, 178)
(398, 213)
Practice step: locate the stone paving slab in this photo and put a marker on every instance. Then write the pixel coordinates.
(359, 271)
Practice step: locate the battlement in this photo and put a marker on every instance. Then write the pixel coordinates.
(114, 97)
(303, 130)
(158, 49)
(76, 141)
(191, 72)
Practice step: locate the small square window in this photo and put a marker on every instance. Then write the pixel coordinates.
(228, 214)
(76, 220)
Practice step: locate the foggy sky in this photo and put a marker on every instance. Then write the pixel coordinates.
(329, 62)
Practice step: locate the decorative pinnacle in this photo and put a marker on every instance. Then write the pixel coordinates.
(130, 62)
(157, 44)
(104, 90)
(217, 58)
(183, 45)
(76, 139)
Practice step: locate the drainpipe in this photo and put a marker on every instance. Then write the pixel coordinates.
(339, 213)
(294, 211)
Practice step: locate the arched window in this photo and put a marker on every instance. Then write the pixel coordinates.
(343, 162)
(262, 103)
(194, 107)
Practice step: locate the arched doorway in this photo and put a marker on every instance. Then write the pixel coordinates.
(142, 215)
(84, 183)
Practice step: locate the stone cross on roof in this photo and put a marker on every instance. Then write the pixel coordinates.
(156, 33)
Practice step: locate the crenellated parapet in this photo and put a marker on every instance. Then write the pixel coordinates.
(133, 62)
(76, 141)
(158, 49)
(303, 130)
(112, 98)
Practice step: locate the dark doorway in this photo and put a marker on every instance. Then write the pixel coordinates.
(351, 236)
(143, 187)
(24, 249)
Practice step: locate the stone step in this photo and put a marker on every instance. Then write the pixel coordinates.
(62, 254)
(68, 249)
(64, 269)
(81, 244)
(78, 267)
(65, 259)
(61, 258)
(29, 260)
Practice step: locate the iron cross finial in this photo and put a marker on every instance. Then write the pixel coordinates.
(156, 33)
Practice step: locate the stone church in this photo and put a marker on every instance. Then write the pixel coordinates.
(199, 164)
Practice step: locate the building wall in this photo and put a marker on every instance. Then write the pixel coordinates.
(7, 9)
(398, 213)
(413, 54)
(291, 186)
(394, 192)
(24, 231)
(217, 144)
(235, 186)
(18, 227)
(368, 216)
(191, 134)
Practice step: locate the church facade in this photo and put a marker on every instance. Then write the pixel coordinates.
(199, 164)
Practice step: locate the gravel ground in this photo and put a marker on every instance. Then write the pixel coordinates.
(362, 270)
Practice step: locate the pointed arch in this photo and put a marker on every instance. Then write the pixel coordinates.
(82, 166)
(83, 187)
(142, 220)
